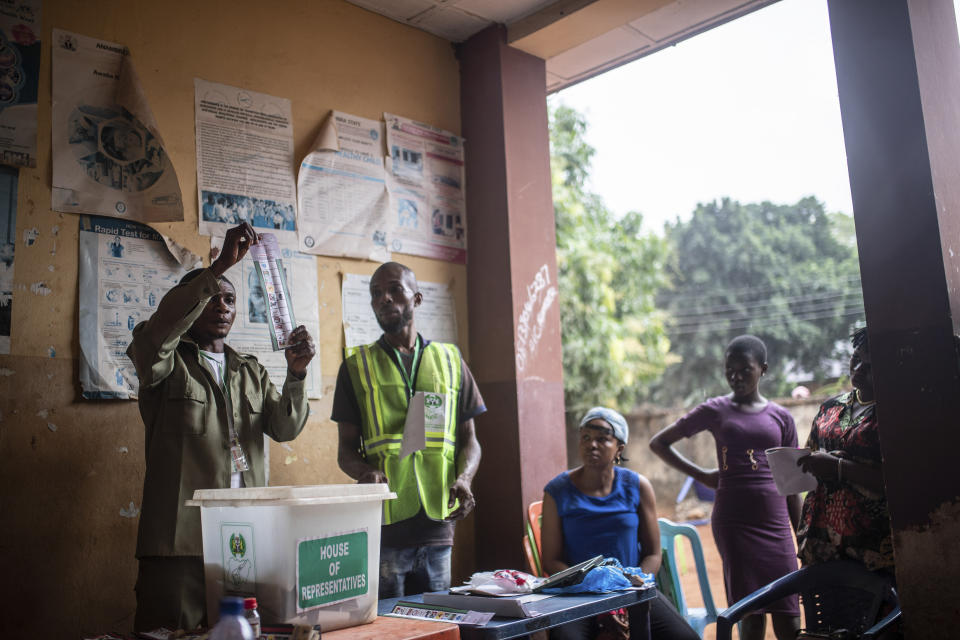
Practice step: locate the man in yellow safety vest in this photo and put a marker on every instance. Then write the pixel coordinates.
(404, 408)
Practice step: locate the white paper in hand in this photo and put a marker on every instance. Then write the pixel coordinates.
(415, 428)
(790, 478)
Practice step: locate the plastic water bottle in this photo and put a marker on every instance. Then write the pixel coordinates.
(232, 624)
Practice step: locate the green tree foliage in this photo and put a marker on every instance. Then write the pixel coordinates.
(786, 273)
(614, 337)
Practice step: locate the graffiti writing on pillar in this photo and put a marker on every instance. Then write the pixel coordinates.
(540, 295)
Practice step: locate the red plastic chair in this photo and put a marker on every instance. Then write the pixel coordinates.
(531, 541)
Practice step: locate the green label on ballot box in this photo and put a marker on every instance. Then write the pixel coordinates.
(331, 569)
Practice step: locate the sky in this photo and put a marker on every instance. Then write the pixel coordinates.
(747, 110)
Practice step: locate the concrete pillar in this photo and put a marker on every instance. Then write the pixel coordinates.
(898, 73)
(512, 288)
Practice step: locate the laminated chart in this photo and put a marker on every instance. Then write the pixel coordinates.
(125, 269)
(269, 261)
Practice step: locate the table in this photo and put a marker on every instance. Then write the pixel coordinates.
(396, 628)
(552, 612)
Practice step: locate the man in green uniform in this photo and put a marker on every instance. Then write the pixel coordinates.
(404, 408)
(205, 408)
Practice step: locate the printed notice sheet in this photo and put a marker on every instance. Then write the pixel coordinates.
(244, 160)
(342, 195)
(19, 77)
(425, 178)
(125, 269)
(436, 316)
(108, 156)
(251, 333)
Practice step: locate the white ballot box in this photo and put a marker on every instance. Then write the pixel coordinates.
(310, 555)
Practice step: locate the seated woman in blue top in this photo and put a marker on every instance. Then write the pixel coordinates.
(600, 508)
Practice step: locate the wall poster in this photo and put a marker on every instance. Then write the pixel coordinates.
(108, 156)
(244, 161)
(425, 178)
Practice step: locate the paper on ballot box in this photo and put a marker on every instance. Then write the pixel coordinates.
(789, 477)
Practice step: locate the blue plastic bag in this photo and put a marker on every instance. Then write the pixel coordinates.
(608, 576)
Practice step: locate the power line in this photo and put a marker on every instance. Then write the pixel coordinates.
(711, 293)
(720, 326)
(817, 297)
(786, 313)
(810, 307)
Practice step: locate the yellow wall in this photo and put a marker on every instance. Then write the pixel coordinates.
(66, 547)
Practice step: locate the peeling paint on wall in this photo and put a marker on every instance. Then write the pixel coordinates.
(40, 289)
(6, 372)
(51, 352)
(30, 236)
(290, 459)
(43, 413)
(130, 511)
(51, 426)
(922, 552)
(123, 450)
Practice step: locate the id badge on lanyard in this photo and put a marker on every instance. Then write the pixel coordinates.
(238, 459)
(426, 411)
(434, 412)
(426, 415)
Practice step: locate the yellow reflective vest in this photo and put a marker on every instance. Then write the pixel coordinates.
(424, 477)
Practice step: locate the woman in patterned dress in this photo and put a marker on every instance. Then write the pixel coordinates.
(846, 516)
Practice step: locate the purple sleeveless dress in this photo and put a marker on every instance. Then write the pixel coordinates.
(751, 524)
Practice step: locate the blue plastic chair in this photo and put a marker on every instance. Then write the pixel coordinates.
(668, 578)
(835, 595)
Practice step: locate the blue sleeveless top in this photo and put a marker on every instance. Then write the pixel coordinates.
(604, 526)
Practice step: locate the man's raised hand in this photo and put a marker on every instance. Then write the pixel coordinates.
(301, 352)
(235, 245)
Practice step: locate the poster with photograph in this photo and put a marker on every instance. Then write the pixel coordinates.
(251, 331)
(125, 269)
(108, 156)
(436, 316)
(244, 161)
(19, 80)
(425, 178)
(341, 190)
(8, 245)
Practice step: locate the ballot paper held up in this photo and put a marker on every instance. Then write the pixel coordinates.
(789, 477)
(269, 263)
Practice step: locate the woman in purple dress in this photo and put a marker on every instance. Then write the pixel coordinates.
(753, 525)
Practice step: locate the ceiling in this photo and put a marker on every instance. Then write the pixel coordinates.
(578, 38)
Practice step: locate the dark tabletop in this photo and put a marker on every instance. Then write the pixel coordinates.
(551, 612)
